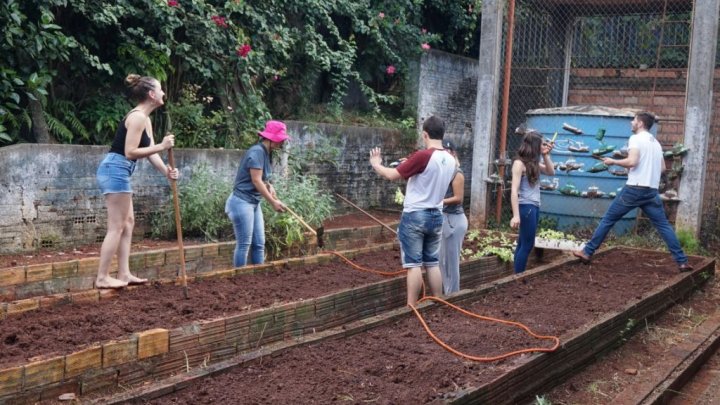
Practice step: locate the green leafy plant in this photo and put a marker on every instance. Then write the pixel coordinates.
(629, 327)
(488, 244)
(399, 197)
(688, 241)
(202, 204)
(102, 114)
(192, 125)
(553, 234)
(305, 196)
(255, 59)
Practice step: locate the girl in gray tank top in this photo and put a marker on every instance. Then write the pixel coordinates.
(525, 192)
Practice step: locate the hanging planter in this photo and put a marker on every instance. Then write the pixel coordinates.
(558, 244)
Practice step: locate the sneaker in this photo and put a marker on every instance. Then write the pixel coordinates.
(685, 267)
(584, 259)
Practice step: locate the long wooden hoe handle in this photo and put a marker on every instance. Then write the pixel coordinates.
(310, 228)
(367, 213)
(178, 226)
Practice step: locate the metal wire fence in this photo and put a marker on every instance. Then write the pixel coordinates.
(628, 55)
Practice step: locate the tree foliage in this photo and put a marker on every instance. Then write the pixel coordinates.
(253, 58)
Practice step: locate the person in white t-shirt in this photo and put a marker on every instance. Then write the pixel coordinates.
(646, 163)
(428, 173)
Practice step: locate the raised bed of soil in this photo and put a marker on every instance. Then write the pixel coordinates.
(42, 273)
(225, 315)
(353, 220)
(588, 307)
(64, 328)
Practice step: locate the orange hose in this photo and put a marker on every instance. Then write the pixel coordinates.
(465, 312)
(361, 268)
(486, 318)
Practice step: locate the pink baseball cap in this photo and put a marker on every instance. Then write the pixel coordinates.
(275, 131)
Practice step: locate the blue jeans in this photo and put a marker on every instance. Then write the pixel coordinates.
(113, 174)
(648, 200)
(529, 217)
(419, 233)
(249, 227)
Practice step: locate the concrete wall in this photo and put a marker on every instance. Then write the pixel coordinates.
(350, 173)
(447, 87)
(49, 196)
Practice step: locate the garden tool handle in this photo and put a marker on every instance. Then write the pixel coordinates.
(366, 213)
(178, 225)
(301, 220)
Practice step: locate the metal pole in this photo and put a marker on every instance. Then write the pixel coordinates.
(505, 110)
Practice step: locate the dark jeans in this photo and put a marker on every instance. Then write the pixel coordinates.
(648, 200)
(529, 217)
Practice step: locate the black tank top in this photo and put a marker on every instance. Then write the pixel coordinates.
(118, 145)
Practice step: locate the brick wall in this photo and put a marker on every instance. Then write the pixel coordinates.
(49, 196)
(350, 174)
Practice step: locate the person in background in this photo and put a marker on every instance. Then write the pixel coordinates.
(252, 183)
(455, 225)
(133, 140)
(646, 163)
(428, 172)
(525, 192)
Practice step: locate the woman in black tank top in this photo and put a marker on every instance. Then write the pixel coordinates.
(133, 141)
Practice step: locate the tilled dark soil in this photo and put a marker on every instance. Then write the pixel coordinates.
(639, 359)
(66, 328)
(400, 364)
(45, 255)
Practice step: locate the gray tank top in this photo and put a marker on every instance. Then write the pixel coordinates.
(453, 208)
(529, 194)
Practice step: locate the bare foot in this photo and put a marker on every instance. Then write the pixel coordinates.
(132, 280)
(109, 282)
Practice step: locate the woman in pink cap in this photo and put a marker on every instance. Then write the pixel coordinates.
(251, 183)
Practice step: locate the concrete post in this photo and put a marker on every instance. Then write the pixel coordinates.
(698, 112)
(485, 126)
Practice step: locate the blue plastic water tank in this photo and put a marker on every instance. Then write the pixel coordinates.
(571, 211)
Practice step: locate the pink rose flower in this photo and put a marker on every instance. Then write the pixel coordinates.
(173, 3)
(219, 21)
(390, 70)
(423, 30)
(381, 15)
(244, 50)
(425, 46)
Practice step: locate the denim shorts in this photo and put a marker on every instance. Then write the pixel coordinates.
(113, 174)
(420, 233)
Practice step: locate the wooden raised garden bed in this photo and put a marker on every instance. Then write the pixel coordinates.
(389, 359)
(151, 332)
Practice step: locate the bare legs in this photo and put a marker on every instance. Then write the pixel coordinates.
(121, 221)
(415, 282)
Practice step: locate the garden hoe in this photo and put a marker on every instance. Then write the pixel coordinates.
(318, 233)
(366, 213)
(178, 225)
